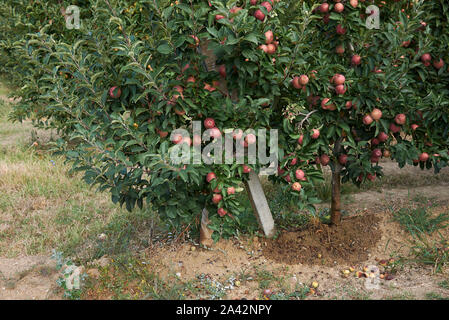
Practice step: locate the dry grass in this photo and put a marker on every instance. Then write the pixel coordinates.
(43, 207)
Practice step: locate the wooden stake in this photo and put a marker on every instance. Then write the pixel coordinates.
(260, 204)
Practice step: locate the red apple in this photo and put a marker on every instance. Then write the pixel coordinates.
(259, 15)
(237, 134)
(299, 174)
(367, 120)
(339, 7)
(324, 159)
(250, 138)
(115, 92)
(271, 48)
(343, 159)
(315, 133)
(338, 79)
(296, 186)
(377, 153)
(246, 169)
(216, 198)
(296, 84)
(340, 89)
(303, 79)
(222, 212)
(423, 157)
(394, 128)
(324, 7)
(426, 58)
(209, 123)
(269, 37)
(267, 5)
(354, 3)
(300, 139)
(376, 114)
(438, 64)
(210, 176)
(356, 60)
(215, 132)
(340, 49)
(382, 136)
(400, 119)
(230, 190)
(177, 138)
(414, 126)
(340, 30)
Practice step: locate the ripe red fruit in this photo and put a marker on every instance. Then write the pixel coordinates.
(296, 186)
(269, 37)
(340, 30)
(300, 139)
(294, 161)
(253, 2)
(377, 153)
(209, 123)
(324, 7)
(339, 7)
(299, 174)
(375, 142)
(382, 136)
(315, 133)
(438, 64)
(235, 9)
(400, 119)
(267, 5)
(414, 126)
(250, 138)
(296, 84)
(423, 157)
(210, 176)
(340, 49)
(356, 60)
(340, 89)
(162, 134)
(376, 114)
(191, 79)
(215, 132)
(230, 190)
(426, 58)
(115, 92)
(237, 134)
(219, 17)
(324, 159)
(222, 212)
(371, 177)
(246, 169)
(216, 198)
(259, 15)
(177, 138)
(367, 120)
(303, 79)
(354, 3)
(343, 159)
(348, 105)
(338, 79)
(271, 48)
(394, 128)
(325, 103)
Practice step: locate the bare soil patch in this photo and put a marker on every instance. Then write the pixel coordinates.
(322, 244)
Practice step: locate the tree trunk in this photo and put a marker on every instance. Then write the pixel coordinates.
(335, 206)
(336, 181)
